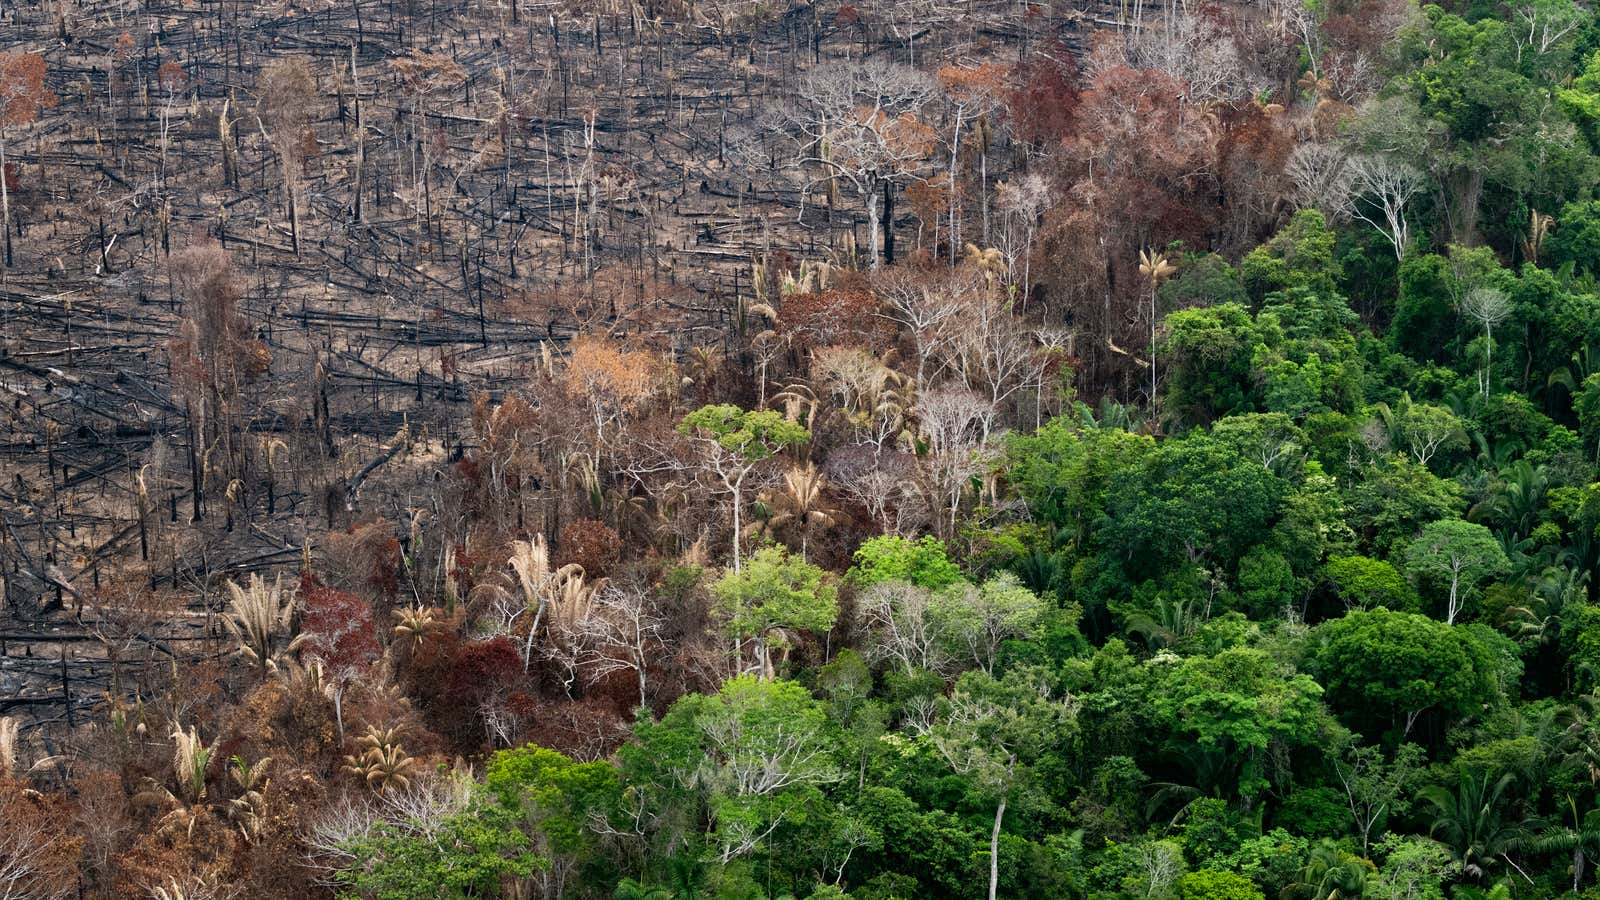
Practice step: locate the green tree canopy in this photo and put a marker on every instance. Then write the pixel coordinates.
(1234, 705)
(889, 557)
(1385, 669)
(776, 593)
(1451, 558)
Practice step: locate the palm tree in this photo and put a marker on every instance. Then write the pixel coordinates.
(628, 889)
(1471, 819)
(1333, 873)
(383, 762)
(1042, 571)
(802, 503)
(1581, 839)
(1169, 623)
(1515, 498)
(800, 404)
(247, 808)
(413, 625)
(258, 616)
(872, 395)
(191, 757)
(1551, 594)
(541, 583)
(688, 877)
(701, 367)
(1208, 772)
(1155, 268)
(1581, 740)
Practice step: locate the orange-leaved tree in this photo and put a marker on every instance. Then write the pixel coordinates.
(22, 94)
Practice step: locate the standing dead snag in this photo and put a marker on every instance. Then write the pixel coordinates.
(972, 95)
(173, 80)
(212, 355)
(22, 94)
(422, 75)
(858, 122)
(287, 90)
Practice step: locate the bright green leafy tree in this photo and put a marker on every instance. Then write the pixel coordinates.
(1455, 557)
(733, 442)
(773, 598)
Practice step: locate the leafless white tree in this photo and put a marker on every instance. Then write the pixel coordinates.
(966, 101)
(420, 809)
(1388, 184)
(623, 632)
(878, 479)
(956, 423)
(1352, 76)
(1022, 202)
(1539, 25)
(1050, 345)
(903, 627)
(1302, 21)
(992, 348)
(501, 722)
(951, 418)
(928, 309)
(856, 122)
(1321, 178)
(1490, 307)
(1203, 57)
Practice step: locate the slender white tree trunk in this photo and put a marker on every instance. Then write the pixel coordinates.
(994, 848)
(955, 151)
(527, 648)
(873, 215)
(1488, 357)
(338, 712)
(1152, 345)
(5, 208)
(737, 487)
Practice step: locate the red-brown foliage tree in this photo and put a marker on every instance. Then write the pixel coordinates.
(1042, 104)
(828, 318)
(1253, 145)
(22, 95)
(338, 632)
(38, 859)
(365, 557)
(1140, 170)
(483, 668)
(589, 543)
